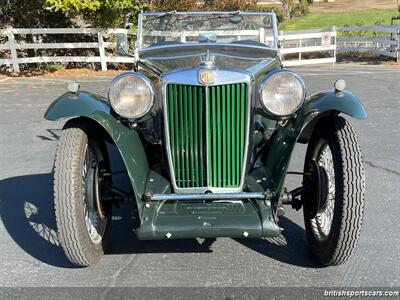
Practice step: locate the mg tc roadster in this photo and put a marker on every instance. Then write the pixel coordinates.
(206, 124)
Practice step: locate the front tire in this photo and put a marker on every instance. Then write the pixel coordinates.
(82, 224)
(333, 215)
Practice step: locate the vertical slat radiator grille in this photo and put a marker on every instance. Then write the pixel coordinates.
(226, 137)
(186, 121)
(207, 134)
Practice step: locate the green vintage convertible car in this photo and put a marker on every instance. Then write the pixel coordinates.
(206, 124)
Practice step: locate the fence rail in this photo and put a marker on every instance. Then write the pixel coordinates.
(103, 58)
(381, 40)
(306, 42)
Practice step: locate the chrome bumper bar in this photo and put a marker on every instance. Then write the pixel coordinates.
(211, 196)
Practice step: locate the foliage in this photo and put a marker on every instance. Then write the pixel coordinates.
(78, 5)
(30, 13)
(293, 8)
(55, 67)
(170, 5)
(301, 8)
(102, 13)
(288, 10)
(249, 5)
(277, 9)
(190, 5)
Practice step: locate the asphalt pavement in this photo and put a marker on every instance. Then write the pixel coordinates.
(30, 253)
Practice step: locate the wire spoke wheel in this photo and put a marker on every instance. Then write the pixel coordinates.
(322, 223)
(94, 224)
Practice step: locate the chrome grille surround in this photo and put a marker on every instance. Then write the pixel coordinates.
(221, 77)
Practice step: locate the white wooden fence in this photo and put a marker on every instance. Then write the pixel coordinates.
(321, 41)
(297, 47)
(380, 40)
(103, 58)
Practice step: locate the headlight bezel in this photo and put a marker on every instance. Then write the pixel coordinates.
(148, 83)
(262, 85)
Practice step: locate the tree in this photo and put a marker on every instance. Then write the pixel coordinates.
(30, 13)
(191, 5)
(294, 8)
(249, 5)
(102, 13)
(170, 5)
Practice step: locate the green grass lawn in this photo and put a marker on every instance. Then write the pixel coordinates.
(339, 19)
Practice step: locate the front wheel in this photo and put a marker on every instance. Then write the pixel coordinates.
(334, 201)
(82, 217)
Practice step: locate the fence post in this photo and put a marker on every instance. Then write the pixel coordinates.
(102, 51)
(280, 39)
(300, 45)
(262, 35)
(13, 50)
(398, 45)
(335, 44)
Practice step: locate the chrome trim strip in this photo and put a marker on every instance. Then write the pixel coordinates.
(190, 77)
(140, 32)
(275, 30)
(217, 196)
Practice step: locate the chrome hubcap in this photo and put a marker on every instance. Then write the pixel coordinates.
(94, 224)
(322, 223)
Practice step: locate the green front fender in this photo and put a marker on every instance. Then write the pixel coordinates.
(317, 106)
(127, 141)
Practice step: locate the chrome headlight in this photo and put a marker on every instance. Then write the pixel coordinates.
(131, 95)
(282, 93)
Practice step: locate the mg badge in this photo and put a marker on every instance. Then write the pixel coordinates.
(206, 77)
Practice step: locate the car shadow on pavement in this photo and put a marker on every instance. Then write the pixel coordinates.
(290, 247)
(27, 212)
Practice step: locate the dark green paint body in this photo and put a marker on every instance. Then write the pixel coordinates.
(200, 218)
(96, 108)
(188, 219)
(287, 135)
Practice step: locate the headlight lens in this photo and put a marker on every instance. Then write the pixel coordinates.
(282, 93)
(131, 95)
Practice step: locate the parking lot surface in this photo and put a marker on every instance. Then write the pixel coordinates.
(30, 250)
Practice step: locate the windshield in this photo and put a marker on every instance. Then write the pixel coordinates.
(246, 28)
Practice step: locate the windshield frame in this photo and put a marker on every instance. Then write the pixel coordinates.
(161, 14)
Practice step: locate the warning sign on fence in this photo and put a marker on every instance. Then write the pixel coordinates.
(326, 39)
